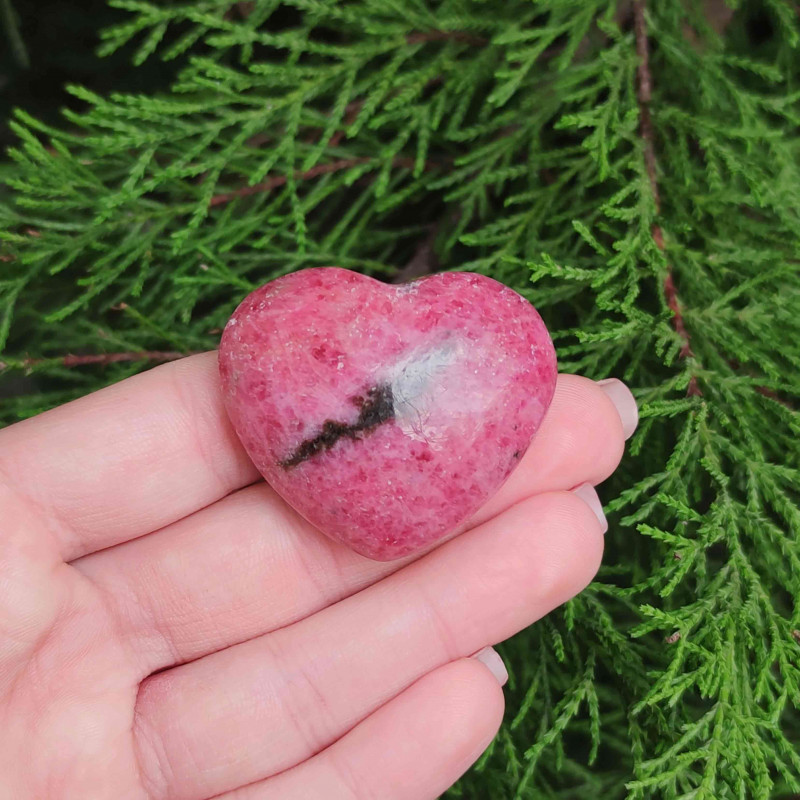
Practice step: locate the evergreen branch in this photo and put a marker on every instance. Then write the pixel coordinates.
(645, 95)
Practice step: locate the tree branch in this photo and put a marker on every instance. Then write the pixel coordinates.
(424, 260)
(645, 87)
(645, 95)
(314, 172)
(422, 37)
(100, 359)
(351, 112)
(671, 295)
(244, 8)
(773, 395)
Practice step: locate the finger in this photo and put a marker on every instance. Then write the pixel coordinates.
(249, 564)
(128, 459)
(582, 439)
(413, 748)
(260, 707)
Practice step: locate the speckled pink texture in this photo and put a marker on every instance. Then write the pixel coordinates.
(386, 415)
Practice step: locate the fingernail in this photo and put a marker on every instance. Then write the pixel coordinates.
(589, 496)
(625, 403)
(490, 658)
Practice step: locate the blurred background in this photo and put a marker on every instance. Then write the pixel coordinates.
(46, 44)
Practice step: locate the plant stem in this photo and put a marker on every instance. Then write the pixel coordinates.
(101, 359)
(645, 94)
(314, 172)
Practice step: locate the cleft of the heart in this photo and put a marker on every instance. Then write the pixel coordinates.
(386, 415)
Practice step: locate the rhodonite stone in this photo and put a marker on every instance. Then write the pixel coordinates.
(386, 414)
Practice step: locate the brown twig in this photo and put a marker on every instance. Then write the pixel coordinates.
(115, 358)
(645, 96)
(280, 180)
(351, 112)
(422, 37)
(671, 294)
(258, 140)
(7, 258)
(314, 172)
(423, 262)
(244, 8)
(102, 359)
(773, 395)
(718, 16)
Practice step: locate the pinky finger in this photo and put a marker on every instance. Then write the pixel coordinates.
(412, 748)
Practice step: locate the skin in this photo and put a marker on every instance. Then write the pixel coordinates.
(169, 628)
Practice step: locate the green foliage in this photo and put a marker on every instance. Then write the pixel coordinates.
(314, 132)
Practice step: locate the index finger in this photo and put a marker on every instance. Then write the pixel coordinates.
(127, 459)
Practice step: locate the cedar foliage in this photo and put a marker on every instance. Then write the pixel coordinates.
(633, 171)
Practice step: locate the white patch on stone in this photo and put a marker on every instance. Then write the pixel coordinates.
(417, 381)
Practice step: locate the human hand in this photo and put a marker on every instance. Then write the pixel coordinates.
(170, 628)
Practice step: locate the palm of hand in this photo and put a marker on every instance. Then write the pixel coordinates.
(169, 628)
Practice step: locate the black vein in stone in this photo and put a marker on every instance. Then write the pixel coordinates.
(374, 409)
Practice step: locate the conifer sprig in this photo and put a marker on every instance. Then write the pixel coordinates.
(648, 208)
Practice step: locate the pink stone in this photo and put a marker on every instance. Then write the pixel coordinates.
(386, 415)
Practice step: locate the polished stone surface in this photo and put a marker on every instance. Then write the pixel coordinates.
(386, 415)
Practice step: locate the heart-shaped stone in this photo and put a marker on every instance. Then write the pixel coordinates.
(386, 414)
